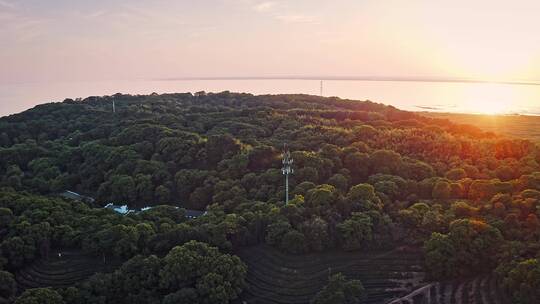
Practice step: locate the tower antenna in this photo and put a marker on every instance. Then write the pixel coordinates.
(113, 107)
(321, 88)
(287, 170)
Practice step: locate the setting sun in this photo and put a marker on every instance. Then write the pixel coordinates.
(487, 98)
(491, 99)
(489, 108)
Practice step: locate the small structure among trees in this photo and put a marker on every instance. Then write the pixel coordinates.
(287, 170)
(77, 197)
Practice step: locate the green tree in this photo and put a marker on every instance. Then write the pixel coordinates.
(307, 174)
(217, 277)
(303, 188)
(339, 181)
(120, 240)
(482, 189)
(145, 188)
(340, 290)
(137, 281)
(163, 194)
(384, 161)
(40, 296)
(276, 231)
(294, 242)
(442, 190)
(183, 296)
(315, 231)
(355, 231)
(440, 256)
(6, 216)
(471, 246)
(322, 198)
(17, 251)
(456, 174)
(358, 165)
(522, 281)
(8, 285)
(262, 157)
(220, 147)
(123, 189)
(362, 197)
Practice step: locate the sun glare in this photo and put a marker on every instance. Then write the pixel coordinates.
(490, 99)
(492, 108)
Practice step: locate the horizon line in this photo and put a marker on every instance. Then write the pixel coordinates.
(356, 78)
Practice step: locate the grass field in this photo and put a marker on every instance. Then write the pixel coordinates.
(390, 277)
(518, 126)
(71, 268)
(480, 290)
(274, 277)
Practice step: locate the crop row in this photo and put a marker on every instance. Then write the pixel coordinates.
(480, 290)
(275, 277)
(62, 271)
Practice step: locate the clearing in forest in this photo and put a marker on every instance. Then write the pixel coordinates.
(275, 277)
(63, 271)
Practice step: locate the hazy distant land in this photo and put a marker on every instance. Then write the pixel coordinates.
(411, 94)
(521, 126)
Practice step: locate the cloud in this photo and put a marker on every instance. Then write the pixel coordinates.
(280, 11)
(264, 6)
(22, 29)
(295, 18)
(95, 14)
(7, 4)
(18, 26)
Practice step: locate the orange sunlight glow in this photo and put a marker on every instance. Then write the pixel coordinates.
(491, 99)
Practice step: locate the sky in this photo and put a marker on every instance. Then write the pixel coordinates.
(71, 40)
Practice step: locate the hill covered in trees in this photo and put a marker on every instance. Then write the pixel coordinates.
(368, 178)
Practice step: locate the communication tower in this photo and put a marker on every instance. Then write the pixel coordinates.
(287, 170)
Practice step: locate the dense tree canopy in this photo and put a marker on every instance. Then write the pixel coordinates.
(40, 296)
(340, 290)
(192, 273)
(367, 176)
(470, 247)
(522, 280)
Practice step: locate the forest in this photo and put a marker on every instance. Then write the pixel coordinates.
(367, 178)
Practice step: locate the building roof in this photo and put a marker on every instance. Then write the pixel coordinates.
(76, 196)
(123, 209)
(194, 213)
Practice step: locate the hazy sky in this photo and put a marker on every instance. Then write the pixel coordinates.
(61, 40)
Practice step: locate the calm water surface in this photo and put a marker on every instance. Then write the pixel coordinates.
(414, 96)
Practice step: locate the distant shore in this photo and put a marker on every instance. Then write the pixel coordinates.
(355, 78)
(411, 94)
(513, 125)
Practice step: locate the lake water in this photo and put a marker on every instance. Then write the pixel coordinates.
(407, 95)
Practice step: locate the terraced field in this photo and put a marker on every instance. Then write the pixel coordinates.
(480, 290)
(274, 277)
(64, 271)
